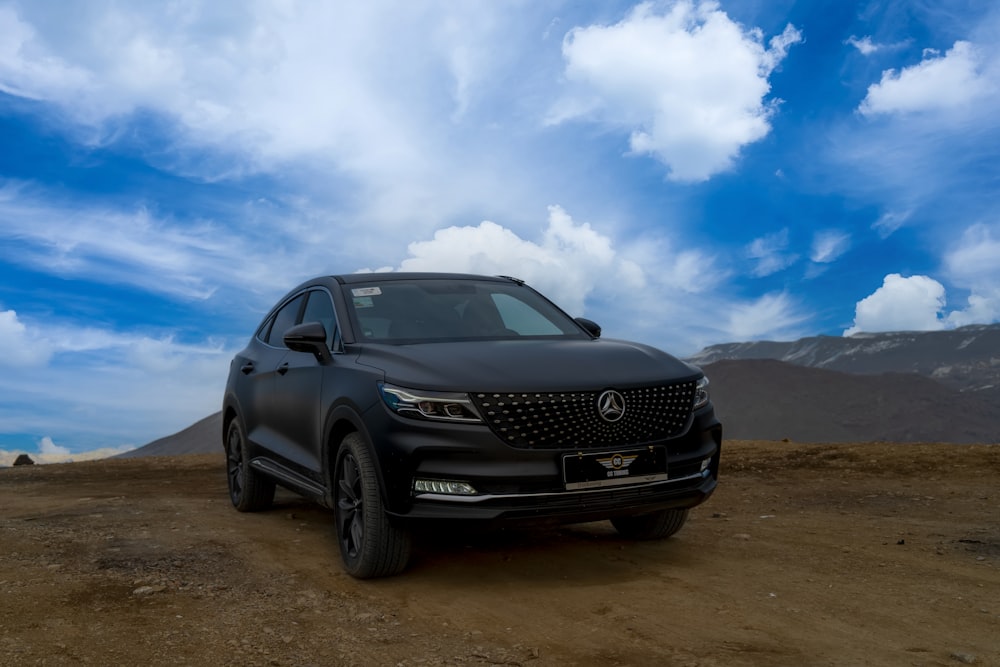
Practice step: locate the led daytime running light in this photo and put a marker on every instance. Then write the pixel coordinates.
(439, 406)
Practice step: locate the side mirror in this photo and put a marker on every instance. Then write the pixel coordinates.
(592, 327)
(309, 337)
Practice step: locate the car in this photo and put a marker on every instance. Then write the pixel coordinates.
(405, 401)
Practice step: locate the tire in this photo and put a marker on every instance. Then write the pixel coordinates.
(370, 545)
(249, 490)
(655, 526)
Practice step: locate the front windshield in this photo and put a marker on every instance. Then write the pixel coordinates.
(409, 311)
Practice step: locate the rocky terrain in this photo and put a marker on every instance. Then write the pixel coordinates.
(808, 554)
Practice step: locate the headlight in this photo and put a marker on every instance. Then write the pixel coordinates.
(422, 404)
(701, 393)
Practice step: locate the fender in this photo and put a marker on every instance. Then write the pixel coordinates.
(341, 420)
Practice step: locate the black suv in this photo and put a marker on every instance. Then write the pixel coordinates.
(402, 398)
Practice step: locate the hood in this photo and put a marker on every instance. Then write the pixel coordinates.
(525, 365)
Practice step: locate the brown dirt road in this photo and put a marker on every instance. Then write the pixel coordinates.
(871, 554)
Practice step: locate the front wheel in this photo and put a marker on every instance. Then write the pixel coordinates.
(370, 545)
(653, 526)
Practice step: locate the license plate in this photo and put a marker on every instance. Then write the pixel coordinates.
(593, 470)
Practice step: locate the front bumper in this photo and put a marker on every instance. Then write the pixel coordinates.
(525, 485)
(565, 506)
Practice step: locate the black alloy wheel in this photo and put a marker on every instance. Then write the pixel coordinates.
(249, 490)
(370, 545)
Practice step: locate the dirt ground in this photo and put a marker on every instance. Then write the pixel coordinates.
(873, 554)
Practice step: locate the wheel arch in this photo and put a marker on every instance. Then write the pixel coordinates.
(343, 421)
(229, 413)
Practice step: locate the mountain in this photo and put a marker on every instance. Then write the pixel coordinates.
(765, 399)
(967, 358)
(202, 437)
(937, 386)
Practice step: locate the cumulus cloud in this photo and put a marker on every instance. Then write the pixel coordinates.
(568, 262)
(770, 253)
(47, 447)
(689, 83)
(952, 81)
(901, 304)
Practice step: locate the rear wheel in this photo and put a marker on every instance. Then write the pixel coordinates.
(370, 545)
(653, 526)
(249, 490)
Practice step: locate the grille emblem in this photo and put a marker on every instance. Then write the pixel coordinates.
(611, 406)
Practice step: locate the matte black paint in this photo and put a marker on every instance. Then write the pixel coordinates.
(296, 405)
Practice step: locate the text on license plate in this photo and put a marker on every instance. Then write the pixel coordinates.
(587, 470)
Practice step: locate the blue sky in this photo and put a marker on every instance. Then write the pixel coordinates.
(684, 173)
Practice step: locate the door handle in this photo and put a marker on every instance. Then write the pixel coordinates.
(247, 368)
(283, 368)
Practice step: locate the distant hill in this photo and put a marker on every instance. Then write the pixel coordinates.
(967, 358)
(904, 386)
(937, 386)
(202, 437)
(764, 399)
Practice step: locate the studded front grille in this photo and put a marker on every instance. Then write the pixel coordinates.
(572, 420)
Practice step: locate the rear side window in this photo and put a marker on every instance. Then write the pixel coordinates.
(283, 320)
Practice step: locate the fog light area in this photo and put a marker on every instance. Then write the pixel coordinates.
(704, 464)
(443, 486)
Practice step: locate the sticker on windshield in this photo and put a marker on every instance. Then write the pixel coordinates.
(363, 302)
(366, 291)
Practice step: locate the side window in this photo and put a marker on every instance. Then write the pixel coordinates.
(284, 319)
(319, 308)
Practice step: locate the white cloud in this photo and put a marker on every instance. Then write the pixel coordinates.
(864, 44)
(7, 457)
(24, 71)
(689, 83)
(47, 447)
(976, 256)
(952, 81)
(183, 259)
(369, 105)
(772, 315)
(828, 245)
(888, 223)
(100, 387)
(567, 263)
(769, 253)
(20, 347)
(974, 264)
(901, 304)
